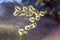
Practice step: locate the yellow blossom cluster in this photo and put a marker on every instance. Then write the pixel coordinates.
(28, 11)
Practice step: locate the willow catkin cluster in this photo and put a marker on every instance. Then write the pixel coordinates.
(31, 12)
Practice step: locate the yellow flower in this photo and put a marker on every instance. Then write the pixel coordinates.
(42, 13)
(33, 25)
(24, 9)
(29, 13)
(15, 13)
(31, 8)
(22, 32)
(32, 19)
(37, 17)
(17, 8)
(27, 27)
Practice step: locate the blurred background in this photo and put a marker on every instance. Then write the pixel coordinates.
(48, 26)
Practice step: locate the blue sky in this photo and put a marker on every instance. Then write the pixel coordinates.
(18, 1)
